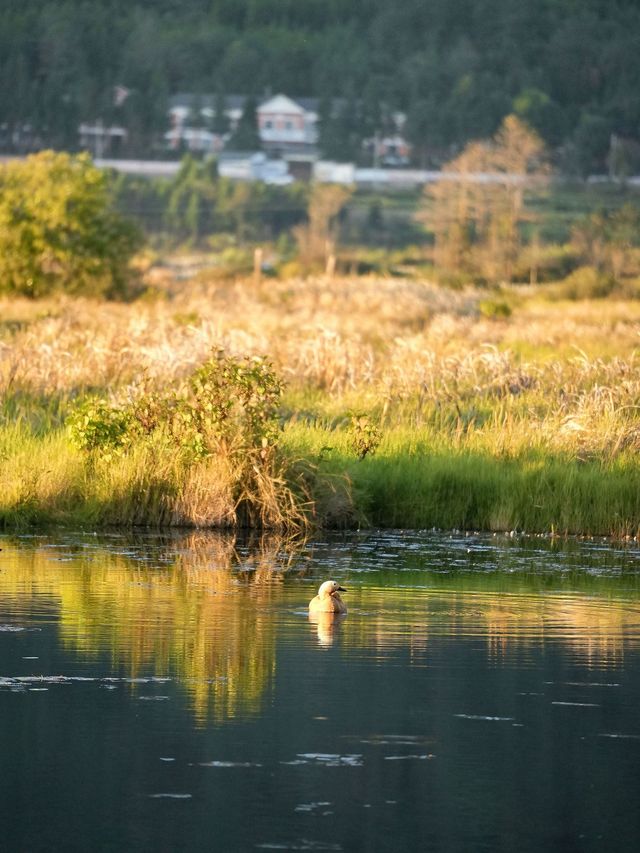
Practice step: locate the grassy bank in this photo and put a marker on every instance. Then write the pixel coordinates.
(411, 483)
(525, 418)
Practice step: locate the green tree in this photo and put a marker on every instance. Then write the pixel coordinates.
(246, 137)
(58, 230)
(220, 121)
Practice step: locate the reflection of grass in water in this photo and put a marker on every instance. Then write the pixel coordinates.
(205, 617)
(596, 630)
(188, 620)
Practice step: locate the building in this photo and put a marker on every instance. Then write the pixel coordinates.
(102, 140)
(284, 124)
(288, 127)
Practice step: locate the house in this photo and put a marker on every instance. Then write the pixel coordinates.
(102, 140)
(286, 125)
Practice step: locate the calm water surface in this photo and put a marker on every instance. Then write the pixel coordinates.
(170, 694)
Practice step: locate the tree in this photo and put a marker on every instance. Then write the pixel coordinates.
(246, 137)
(316, 239)
(220, 121)
(475, 211)
(58, 230)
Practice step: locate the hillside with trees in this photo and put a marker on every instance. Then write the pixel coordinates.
(570, 69)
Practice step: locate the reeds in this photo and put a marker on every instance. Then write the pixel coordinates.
(528, 421)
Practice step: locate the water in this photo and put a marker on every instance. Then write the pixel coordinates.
(169, 694)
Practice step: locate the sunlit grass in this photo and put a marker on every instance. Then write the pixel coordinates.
(530, 421)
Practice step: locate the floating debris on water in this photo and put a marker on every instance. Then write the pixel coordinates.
(302, 844)
(396, 740)
(312, 807)
(482, 717)
(170, 796)
(328, 759)
(408, 757)
(16, 629)
(619, 735)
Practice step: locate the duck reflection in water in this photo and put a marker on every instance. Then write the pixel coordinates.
(327, 626)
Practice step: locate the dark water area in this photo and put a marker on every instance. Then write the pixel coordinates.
(171, 693)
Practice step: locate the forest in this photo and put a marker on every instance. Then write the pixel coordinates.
(569, 68)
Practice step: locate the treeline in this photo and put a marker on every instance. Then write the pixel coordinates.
(570, 69)
(198, 203)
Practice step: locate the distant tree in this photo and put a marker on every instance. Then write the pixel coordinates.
(58, 229)
(317, 239)
(340, 133)
(220, 121)
(246, 137)
(475, 211)
(606, 240)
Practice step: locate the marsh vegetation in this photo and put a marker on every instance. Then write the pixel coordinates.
(394, 403)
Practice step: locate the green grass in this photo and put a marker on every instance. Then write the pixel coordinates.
(413, 481)
(416, 479)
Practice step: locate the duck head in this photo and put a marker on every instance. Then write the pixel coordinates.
(329, 588)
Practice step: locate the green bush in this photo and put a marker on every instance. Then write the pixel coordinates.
(585, 283)
(58, 230)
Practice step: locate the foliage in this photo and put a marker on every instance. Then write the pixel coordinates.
(197, 203)
(529, 420)
(227, 411)
(58, 230)
(606, 239)
(365, 436)
(96, 426)
(316, 239)
(457, 70)
(246, 136)
(476, 222)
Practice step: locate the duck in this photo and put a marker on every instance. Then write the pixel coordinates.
(327, 600)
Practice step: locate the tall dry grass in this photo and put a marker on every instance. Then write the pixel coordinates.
(553, 384)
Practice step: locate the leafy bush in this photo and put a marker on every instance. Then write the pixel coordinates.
(585, 283)
(494, 309)
(228, 409)
(96, 426)
(364, 435)
(58, 231)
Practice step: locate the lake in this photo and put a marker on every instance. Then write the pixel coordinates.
(170, 693)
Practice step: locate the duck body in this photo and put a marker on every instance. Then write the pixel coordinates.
(328, 600)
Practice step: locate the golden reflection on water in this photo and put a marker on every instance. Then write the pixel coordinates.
(182, 621)
(595, 631)
(208, 619)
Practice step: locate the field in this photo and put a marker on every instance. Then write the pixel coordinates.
(405, 405)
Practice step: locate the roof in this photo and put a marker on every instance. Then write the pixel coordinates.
(187, 100)
(281, 104)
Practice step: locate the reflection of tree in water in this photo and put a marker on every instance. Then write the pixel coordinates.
(196, 611)
(199, 608)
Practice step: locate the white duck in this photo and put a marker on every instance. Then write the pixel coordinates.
(327, 600)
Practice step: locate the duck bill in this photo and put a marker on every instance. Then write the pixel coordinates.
(341, 589)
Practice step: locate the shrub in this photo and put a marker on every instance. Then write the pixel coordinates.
(58, 230)
(227, 411)
(365, 436)
(585, 283)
